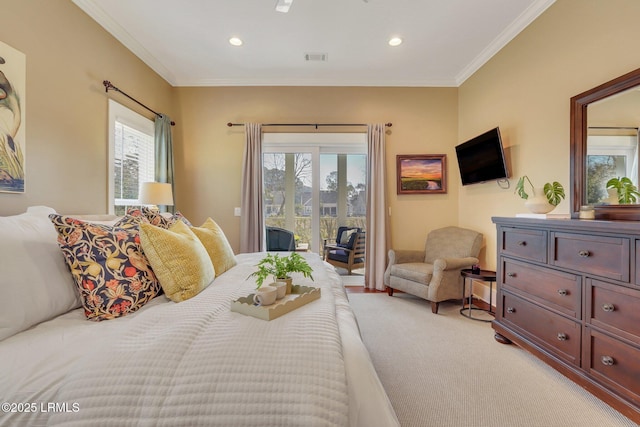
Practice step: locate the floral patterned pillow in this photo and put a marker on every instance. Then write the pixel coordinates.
(107, 263)
(156, 218)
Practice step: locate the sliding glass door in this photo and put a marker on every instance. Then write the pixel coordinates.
(314, 183)
(342, 195)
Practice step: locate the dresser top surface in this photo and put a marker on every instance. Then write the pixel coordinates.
(591, 225)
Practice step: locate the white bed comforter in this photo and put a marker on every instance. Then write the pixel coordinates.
(198, 363)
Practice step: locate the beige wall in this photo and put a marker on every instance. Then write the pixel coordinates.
(525, 89)
(68, 56)
(209, 162)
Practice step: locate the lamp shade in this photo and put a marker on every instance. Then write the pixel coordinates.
(156, 193)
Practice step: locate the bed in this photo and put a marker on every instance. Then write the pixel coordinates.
(189, 363)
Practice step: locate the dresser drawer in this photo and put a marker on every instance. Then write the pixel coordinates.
(613, 363)
(558, 334)
(602, 256)
(637, 264)
(559, 290)
(614, 308)
(523, 243)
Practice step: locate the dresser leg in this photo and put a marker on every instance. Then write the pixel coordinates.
(501, 339)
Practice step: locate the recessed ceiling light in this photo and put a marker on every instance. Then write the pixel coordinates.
(395, 41)
(235, 41)
(283, 5)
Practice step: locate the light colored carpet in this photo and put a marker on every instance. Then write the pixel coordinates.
(446, 370)
(355, 279)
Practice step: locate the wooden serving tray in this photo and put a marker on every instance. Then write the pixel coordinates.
(299, 296)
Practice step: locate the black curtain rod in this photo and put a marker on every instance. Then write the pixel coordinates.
(310, 124)
(107, 85)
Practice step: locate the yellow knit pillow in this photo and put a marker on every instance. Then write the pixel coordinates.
(217, 245)
(178, 259)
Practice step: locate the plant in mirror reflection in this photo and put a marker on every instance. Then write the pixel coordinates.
(627, 191)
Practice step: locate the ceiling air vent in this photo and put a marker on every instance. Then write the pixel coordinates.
(316, 57)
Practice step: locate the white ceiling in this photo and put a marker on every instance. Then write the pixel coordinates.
(186, 42)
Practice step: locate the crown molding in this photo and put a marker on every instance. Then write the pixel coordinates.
(93, 9)
(316, 82)
(517, 26)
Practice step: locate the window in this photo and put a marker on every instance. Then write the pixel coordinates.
(314, 183)
(131, 156)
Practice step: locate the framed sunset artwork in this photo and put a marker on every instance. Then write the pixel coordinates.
(421, 173)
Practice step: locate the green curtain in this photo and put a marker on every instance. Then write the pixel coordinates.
(164, 155)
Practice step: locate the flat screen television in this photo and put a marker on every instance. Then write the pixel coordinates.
(482, 159)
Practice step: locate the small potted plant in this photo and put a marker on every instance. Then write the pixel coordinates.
(541, 200)
(280, 267)
(627, 191)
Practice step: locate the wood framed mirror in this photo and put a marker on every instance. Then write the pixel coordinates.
(579, 154)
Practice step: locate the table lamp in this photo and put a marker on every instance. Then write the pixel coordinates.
(156, 194)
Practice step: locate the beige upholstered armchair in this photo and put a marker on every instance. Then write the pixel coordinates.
(434, 274)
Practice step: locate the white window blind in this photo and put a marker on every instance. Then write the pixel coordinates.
(132, 159)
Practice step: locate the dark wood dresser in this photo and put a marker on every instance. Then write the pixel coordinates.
(569, 292)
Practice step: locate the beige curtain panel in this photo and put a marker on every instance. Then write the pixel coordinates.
(252, 220)
(377, 220)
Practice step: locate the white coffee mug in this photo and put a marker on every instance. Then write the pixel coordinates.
(282, 289)
(265, 295)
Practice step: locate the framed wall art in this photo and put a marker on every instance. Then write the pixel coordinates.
(12, 119)
(421, 173)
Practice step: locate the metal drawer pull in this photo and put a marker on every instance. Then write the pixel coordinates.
(608, 307)
(562, 336)
(607, 360)
(584, 254)
(511, 274)
(562, 291)
(511, 310)
(522, 243)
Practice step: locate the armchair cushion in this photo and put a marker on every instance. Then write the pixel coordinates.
(452, 242)
(454, 263)
(414, 271)
(346, 236)
(342, 256)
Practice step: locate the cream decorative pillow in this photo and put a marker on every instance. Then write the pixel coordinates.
(217, 245)
(178, 259)
(345, 238)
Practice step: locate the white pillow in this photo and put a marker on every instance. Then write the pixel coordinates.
(346, 236)
(35, 283)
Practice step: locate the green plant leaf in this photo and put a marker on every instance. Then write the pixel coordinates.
(627, 191)
(520, 190)
(280, 267)
(614, 183)
(554, 192)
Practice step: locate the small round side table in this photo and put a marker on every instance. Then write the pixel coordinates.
(484, 275)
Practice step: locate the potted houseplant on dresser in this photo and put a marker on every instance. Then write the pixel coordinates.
(281, 267)
(540, 199)
(626, 191)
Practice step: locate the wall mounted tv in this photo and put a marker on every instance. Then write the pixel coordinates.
(482, 159)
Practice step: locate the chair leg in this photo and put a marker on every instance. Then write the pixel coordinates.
(390, 291)
(434, 307)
